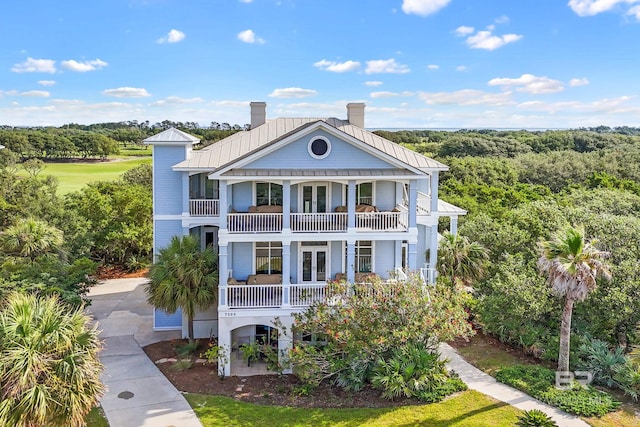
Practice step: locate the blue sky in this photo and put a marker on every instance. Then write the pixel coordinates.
(415, 63)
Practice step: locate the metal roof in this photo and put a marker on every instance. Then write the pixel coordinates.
(171, 135)
(245, 143)
(448, 208)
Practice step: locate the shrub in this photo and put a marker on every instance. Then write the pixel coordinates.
(596, 357)
(627, 377)
(538, 382)
(187, 349)
(535, 418)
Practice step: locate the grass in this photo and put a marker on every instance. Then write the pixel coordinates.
(469, 408)
(96, 418)
(133, 151)
(74, 176)
(490, 359)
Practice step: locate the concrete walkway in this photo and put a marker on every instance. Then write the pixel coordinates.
(138, 394)
(484, 383)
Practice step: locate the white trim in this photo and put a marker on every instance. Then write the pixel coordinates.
(373, 254)
(167, 217)
(314, 184)
(310, 149)
(327, 250)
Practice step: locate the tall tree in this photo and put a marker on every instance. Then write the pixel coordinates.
(49, 366)
(459, 258)
(572, 264)
(184, 277)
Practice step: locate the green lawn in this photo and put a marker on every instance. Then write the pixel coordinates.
(469, 408)
(96, 418)
(490, 358)
(74, 176)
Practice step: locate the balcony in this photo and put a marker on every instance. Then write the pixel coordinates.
(204, 207)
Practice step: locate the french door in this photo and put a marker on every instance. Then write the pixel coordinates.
(314, 198)
(314, 262)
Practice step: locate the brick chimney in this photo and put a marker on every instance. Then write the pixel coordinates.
(355, 114)
(258, 114)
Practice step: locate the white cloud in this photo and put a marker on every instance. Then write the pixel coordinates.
(32, 65)
(634, 11)
(594, 7)
(337, 67)
(293, 92)
(176, 100)
(389, 66)
(82, 67)
(433, 67)
(126, 92)
(248, 36)
(529, 83)
(387, 94)
(461, 68)
(46, 82)
(619, 105)
(503, 19)
(463, 30)
(578, 82)
(246, 1)
(423, 7)
(466, 97)
(373, 83)
(36, 93)
(487, 40)
(173, 36)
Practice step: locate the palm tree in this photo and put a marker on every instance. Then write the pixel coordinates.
(30, 238)
(572, 264)
(459, 258)
(49, 367)
(184, 277)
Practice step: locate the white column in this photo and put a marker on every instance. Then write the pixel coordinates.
(224, 341)
(285, 342)
(223, 275)
(351, 261)
(286, 274)
(286, 205)
(453, 228)
(185, 193)
(434, 191)
(397, 253)
(351, 205)
(224, 204)
(413, 202)
(433, 247)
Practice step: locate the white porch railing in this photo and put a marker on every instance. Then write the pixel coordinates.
(428, 275)
(382, 221)
(305, 295)
(254, 296)
(423, 203)
(254, 222)
(204, 207)
(318, 222)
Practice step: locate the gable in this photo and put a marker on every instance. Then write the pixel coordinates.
(343, 155)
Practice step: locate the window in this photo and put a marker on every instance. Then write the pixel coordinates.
(364, 194)
(268, 258)
(319, 147)
(268, 193)
(364, 256)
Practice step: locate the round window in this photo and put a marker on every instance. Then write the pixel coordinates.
(319, 147)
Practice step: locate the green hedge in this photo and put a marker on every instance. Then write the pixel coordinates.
(539, 382)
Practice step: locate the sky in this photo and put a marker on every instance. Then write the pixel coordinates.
(414, 63)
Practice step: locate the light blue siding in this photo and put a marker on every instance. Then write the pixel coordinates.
(242, 260)
(336, 194)
(294, 197)
(167, 321)
(243, 196)
(337, 256)
(164, 230)
(385, 257)
(167, 184)
(343, 155)
(385, 195)
(424, 234)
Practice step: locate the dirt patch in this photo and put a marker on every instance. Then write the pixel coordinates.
(115, 272)
(281, 390)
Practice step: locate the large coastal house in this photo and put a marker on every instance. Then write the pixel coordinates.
(289, 205)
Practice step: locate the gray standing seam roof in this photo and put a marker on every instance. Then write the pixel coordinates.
(244, 143)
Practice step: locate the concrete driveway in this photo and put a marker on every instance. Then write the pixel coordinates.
(138, 394)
